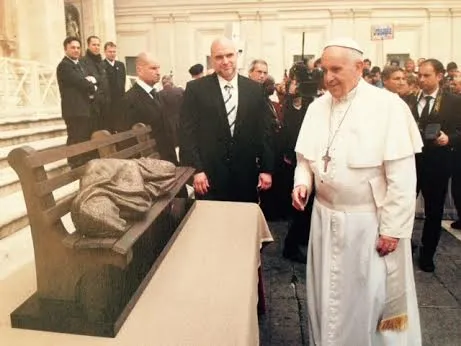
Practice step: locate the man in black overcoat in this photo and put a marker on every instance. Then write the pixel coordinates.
(438, 115)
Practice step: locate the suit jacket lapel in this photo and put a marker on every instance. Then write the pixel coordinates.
(77, 67)
(242, 104)
(433, 113)
(217, 97)
(148, 101)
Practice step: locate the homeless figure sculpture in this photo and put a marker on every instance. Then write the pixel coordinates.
(114, 191)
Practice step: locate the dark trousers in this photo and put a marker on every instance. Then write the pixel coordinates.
(298, 233)
(273, 201)
(456, 181)
(111, 116)
(97, 116)
(435, 174)
(419, 168)
(79, 129)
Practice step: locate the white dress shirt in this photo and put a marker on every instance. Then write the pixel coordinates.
(112, 63)
(145, 86)
(230, 102)
(235, 87)
(422, 101)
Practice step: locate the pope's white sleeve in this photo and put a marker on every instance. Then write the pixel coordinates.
(303, 173)
(397, 213)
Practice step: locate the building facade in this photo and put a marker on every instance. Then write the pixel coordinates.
(179, 32)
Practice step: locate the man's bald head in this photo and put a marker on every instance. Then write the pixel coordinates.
(224, 57)
(222, 42)
(342, 69)
(147, 68)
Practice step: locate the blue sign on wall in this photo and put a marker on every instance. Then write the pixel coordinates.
(382, 32)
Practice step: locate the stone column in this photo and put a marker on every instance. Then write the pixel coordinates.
(250, 40)
(455, 30)
(439, 34)
(342, 23)
(8, 32)
(98, 17)
(180, 48)
(162, 42)
(40, 30)
(271, 43)
(104, 20)
(362, 34)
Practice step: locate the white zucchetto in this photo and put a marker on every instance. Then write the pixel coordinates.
(345, 42)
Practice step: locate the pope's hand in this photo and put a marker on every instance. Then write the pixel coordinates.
(299, 197)
(264, 181)
(201, 184)
(386, 245)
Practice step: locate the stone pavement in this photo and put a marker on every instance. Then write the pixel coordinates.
(439, 295)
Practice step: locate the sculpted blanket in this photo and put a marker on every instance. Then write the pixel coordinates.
(114, 193)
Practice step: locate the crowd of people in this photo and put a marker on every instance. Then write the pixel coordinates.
(339, 148)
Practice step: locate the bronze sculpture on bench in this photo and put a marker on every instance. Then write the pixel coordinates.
(89, 285)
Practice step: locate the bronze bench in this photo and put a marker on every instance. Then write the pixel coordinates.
(89, 285)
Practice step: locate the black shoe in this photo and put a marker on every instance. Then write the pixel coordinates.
(295, 255)
(456, 225)
(426, 265)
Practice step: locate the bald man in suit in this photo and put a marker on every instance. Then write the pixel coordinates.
(141, 104)
(225, 131)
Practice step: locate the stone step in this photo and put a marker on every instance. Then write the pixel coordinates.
(15, 251)
(37, 145)
(18, 250)
(32, 134)
(14, 214)
(9, 180)
(23, 121)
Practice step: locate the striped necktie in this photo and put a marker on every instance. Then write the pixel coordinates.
(231, 106)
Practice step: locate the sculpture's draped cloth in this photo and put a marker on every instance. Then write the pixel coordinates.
(114, 192)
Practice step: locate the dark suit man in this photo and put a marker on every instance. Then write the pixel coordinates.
(92, 62)
(141, 104)
(435, 107)
(225, 131)
(171, 98)
(77, 91)
(456, 176)
(116, 78)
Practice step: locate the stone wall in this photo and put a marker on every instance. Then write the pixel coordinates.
(179, 33)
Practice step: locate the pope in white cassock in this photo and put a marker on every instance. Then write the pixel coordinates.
(357, 145)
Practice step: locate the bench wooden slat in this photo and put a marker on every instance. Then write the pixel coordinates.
(71, 239)
(129, 152)
(125, 243)
(62, 208)
(95, 243)
(47, 186)
(55, 154)
(76, 241)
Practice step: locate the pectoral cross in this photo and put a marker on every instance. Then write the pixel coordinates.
(326, 159)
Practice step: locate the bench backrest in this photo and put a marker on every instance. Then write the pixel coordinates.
(42, 208)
